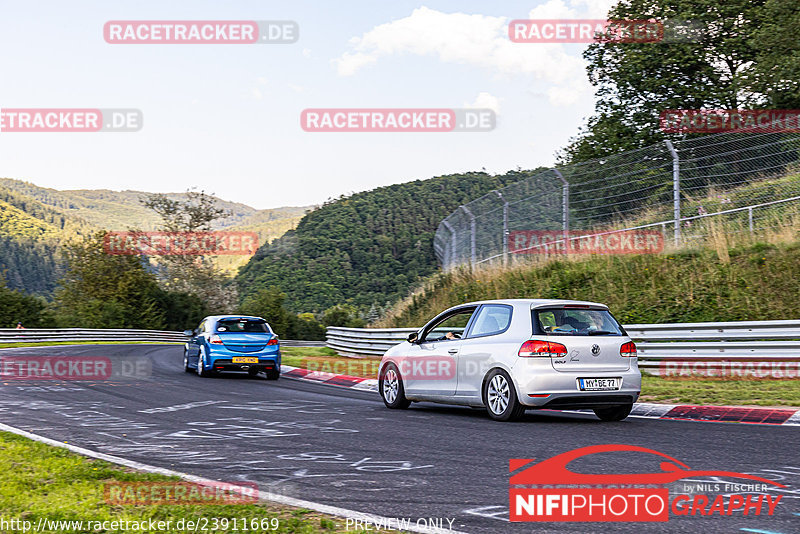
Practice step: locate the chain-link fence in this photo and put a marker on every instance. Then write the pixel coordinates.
(667, 191)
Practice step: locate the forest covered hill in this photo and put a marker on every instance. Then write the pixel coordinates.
(367, 249)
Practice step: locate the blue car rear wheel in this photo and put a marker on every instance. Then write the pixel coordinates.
(201, 364)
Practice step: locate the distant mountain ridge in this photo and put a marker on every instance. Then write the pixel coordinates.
(35, 222)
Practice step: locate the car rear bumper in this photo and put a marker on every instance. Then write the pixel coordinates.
(540, 386)
(227, 364)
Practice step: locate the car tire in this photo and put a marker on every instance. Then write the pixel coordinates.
(273, 374)
(186, 367)
(614, 413)
(201, 365)
(390, 385)
(500, 397)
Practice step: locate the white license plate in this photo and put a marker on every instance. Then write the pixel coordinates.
(598, 384)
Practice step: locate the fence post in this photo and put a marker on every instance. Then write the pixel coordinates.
(564, 208)
(676, 191)
(750, 218)
(453, 243)
(505, 227)
(472, 252)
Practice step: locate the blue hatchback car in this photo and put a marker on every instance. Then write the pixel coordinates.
(232, 343)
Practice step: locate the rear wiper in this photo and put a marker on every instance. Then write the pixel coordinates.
(600, 333)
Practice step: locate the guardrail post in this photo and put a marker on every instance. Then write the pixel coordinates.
(505, 227)
(564, 208)
(472, 230)
(676, 191)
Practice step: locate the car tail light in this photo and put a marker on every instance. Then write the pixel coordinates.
(215, 340)
(628, 350)
(273, 341)
(545, 349)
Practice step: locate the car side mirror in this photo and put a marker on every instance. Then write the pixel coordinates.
(188, 333)
(412, 337)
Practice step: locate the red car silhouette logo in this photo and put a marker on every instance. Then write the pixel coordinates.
(554, 470)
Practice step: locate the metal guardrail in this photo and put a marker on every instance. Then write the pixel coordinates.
(32, 335)
(740, 341)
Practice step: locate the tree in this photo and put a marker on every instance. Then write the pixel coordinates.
(16, 306)
(101, 290)
(777, 67)
(308, 328)
(342, 315)
(195, 275)
(268, 303)
(636, 81)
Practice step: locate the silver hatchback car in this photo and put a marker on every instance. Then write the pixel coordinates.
(517, 354)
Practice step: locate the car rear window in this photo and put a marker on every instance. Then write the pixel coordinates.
(576, 322)
(242, 325)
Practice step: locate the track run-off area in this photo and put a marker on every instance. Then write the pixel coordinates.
(340, 447)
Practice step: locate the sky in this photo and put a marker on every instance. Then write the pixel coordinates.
(225, 118)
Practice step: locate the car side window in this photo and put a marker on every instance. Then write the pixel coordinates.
(449, 328)
(202, 327)
(491, 319)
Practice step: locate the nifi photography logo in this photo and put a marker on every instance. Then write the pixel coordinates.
(549, 491)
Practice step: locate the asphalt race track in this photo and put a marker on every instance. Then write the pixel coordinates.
(343, 448)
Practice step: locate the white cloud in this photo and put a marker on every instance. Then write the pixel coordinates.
(257, 94)
(479, 40)
(485, 101)
(566, 96)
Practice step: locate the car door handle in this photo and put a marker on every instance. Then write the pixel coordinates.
(452, 351)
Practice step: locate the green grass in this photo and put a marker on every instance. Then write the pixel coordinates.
(51, 343)
(748, 392)
(307, 351)
(325, 359)
(41, 481)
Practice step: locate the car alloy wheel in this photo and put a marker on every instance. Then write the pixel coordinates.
(501, 398)
(201, 365)
(391, 387)
(186, 361)
(498, 394)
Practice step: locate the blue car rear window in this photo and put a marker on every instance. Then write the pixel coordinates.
(242, 325)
